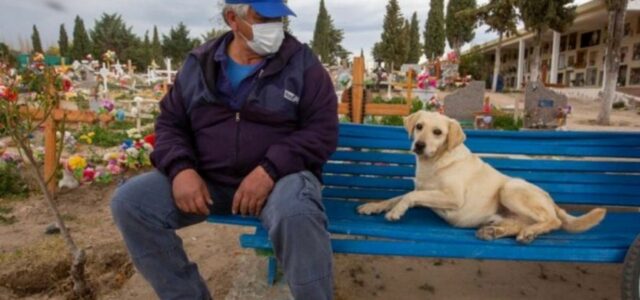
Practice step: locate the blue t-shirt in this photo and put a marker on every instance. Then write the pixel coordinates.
(237, 72)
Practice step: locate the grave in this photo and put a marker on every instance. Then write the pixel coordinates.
(541, 106)
(464, 103)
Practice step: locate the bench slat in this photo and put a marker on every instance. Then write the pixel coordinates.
(426, 249)
(559, 197)
(549, 177)
(505, 147)
(499, 163)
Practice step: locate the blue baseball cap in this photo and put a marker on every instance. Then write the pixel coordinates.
(266, 8)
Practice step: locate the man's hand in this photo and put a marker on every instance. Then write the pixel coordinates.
(190, 193)
(252, 193)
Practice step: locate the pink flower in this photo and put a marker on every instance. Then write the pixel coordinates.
(89, 174)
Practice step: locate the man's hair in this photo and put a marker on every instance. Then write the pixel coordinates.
(241, 10)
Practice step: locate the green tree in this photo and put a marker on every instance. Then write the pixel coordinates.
(434, 34)
(81, 42)
(502, 18)
(406, 38)
(541, 15)
(146, 49)
(63, 42)
(327, 39)
(178, 44)
(392, 46)
(617, 10)
(156, 47)
(35, 41)
(213, 34)
(474, 64)
(7, 55)
(415, 49)
(459, 27)
(376, 52)
(110, 32)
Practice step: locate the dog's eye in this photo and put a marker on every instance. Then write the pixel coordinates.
(437, 131)
(419, 127)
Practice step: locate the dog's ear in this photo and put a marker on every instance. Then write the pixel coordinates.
(410, 122)
(456, 135)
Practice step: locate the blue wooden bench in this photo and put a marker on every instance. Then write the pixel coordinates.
(576, 168)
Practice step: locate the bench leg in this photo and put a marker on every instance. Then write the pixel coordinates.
(272, 270)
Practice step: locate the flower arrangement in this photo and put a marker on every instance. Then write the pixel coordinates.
(109, 56)
(133, 154)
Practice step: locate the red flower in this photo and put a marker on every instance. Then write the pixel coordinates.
(151, 139)
(67, 85)
(10, 95)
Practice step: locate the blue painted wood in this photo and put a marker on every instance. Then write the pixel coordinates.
(395, 172)
(505, 147)
(272, 270)
(489, 251)
(499, 163)
(379, 174)
(398, 132)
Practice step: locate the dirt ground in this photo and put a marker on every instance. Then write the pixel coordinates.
(33, 265)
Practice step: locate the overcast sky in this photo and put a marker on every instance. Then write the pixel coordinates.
(361, 20)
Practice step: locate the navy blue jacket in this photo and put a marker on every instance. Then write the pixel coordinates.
(287, 120)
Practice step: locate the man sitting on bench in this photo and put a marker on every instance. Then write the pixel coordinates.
(246, 129)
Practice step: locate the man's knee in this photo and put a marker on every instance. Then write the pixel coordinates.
(140, 191)
(295, 194)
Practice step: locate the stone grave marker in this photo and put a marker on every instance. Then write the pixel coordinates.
(541, 106)
(464, 103)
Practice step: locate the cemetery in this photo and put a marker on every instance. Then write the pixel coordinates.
(75, 126)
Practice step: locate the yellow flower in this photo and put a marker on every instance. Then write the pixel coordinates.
(88, 138)
(77, 162)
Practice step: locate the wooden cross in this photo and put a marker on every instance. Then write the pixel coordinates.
(357, 97)
(58, 115)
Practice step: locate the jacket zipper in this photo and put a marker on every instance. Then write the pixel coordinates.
(237, 141)
(238, 119)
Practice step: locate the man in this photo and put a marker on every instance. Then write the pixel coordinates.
(246, 129)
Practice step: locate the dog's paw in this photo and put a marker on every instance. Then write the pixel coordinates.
(370, 208)
(394, 215)
(489, 233)
(526, 237)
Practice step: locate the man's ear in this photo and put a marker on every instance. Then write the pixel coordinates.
(456, 136)
(410, 122)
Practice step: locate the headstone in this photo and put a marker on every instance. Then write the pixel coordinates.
(541, 106)
(119, 70)
(464, 103)
(104, 72)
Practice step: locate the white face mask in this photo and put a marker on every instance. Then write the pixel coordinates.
(267, 37)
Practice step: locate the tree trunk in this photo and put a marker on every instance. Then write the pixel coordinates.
(615, 32)
(496, 65)
(535, 69)
(80, 287)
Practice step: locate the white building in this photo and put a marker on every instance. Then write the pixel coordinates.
(574, 58)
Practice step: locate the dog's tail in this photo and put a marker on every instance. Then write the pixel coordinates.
(581, 223)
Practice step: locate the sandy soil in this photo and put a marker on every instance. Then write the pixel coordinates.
(32, 265)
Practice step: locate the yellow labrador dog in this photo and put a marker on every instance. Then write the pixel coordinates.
(467, 192)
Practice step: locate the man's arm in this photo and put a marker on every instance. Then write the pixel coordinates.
(317, 138)
(174, 151)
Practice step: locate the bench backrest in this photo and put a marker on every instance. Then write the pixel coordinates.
(601, 168)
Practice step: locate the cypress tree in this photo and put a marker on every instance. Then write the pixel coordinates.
(391, 44)
(81, 43)
(156, 47)
(434, 35)
(415, 50)
(63, 42)
(460, 27)
(327, 39)
(35, 40)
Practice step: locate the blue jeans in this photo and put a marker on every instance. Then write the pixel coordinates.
(144, 211)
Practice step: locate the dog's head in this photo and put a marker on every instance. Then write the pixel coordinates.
(433, 133)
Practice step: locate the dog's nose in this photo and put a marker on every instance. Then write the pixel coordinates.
(419, 146)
